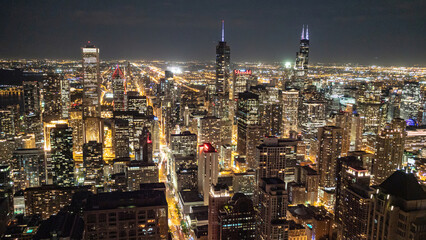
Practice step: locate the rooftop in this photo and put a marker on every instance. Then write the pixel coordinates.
(113, 200)
(403, 185)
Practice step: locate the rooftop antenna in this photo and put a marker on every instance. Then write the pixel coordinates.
(307, 32)
(223, 30)
(303, 33)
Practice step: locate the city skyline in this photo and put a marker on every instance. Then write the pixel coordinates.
(385, 34)
(94, 148)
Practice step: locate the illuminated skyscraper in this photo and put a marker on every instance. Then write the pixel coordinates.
(91, 94)
(223, 53)
(242, 81)
(410, 100)
(302, 57)
(290, 106)
(210, 131)
(121, 138)
(330, 148)
(344, 121)
(278, 158)
(352, 198)
(119, 90)
(390, 150)
(51, 93)
(208, 169)
(62, 156)
(65, 98)
(29, 168)
(93, 163)
(248, 124)
(273, 201)
(137, 103)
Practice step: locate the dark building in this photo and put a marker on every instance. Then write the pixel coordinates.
(51, 97)
(22, 227)
(223, 53)
(64, 225)
(126, 215)
(237, 219)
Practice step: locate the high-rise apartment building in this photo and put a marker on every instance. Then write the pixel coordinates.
(277, 158)
(330, 148)
(390, 150)
(126, 215)
(273, 201)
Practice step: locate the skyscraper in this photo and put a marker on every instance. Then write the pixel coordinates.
(210, 130)
(242, 80)
(218, 196)
(290, 107)
(237, 219)
(119, 90)
(330, 148)
(223, 52)
(93, 163)
(247, 119)
(352, 198)
(51, 97)
(121, 138)
(398, 208)
(273, 201)
(302, 57)
(62, 155)
(410, 100)
(91, 94)
(278, 158)
(390, 150)
(145, 146)
(29, 168)
(208, 169)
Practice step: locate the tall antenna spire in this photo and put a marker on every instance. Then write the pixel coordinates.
(223, 30)
(307, 32)
(303, 33)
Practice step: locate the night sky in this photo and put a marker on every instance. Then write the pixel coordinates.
(357, 31)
